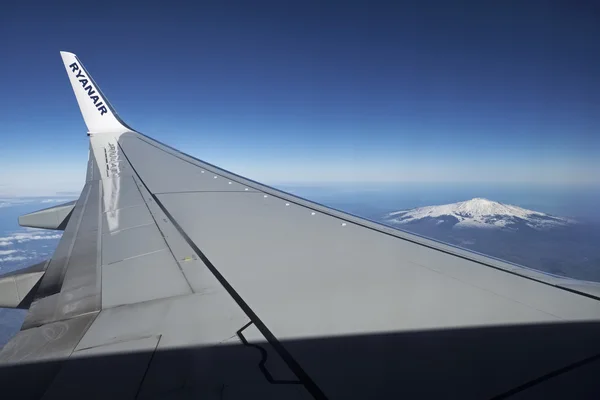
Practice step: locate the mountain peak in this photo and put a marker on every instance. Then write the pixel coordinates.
(479, 212)
(480, 200)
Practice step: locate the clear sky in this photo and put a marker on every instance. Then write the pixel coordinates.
(311, 91)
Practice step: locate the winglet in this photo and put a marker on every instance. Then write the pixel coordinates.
(99, 115)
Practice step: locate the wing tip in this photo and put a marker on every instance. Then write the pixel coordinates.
(67, 53)
(98, 114)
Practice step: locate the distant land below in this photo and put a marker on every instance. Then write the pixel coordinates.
(552, 244)
(371, 200)
(548, 228)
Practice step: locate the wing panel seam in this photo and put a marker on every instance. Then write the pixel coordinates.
(162, 234)
(294, 366)
(99, 245)
(85, 203)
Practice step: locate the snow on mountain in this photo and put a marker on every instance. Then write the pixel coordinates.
(479, 213)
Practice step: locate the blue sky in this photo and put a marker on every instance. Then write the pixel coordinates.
(311, 91)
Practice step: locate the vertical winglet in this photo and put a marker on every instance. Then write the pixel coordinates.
(99, 115)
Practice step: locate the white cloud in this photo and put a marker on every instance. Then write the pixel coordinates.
(4, 243)
(15, 201)
(13, 258)
(23, 237)
(7, 252)
(9, 202)
(56, 200)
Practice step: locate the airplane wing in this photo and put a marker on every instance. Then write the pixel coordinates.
(177, 279)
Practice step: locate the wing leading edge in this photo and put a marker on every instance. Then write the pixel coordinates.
(191, 280)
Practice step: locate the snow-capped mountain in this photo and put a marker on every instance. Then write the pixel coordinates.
(478, 213)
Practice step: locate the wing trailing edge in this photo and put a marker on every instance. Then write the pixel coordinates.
(55, 217)
(18, 288)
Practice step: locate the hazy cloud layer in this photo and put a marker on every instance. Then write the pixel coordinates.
(13, 259)
(18, 246)
(23, 237)
(55, 200)
(15, 201)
